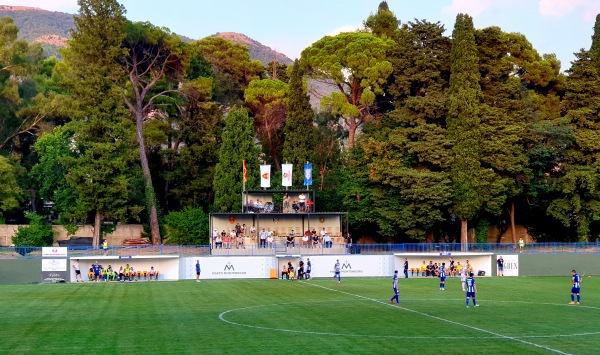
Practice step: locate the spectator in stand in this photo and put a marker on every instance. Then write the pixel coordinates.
(250, 208)
(291, 239)
(305, 239)
(263, 238)
(302, 202)
(244, 230)
(219, 241)
(327, 241)
(295, 206)
(253, 231)
(286, 202)
(227, 239)
(349, 241)
(315, 240)
(215, 234)
(240, 241)
(270, 241)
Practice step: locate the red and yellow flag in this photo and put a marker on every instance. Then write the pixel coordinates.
(245, 169)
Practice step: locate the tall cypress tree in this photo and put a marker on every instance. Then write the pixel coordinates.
(298, 129)
(474, 186)
(238, 145)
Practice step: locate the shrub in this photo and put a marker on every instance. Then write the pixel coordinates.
(187, 227)
(37, 234)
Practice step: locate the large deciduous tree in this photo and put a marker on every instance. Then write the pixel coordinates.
(408, 155)
(356, 65)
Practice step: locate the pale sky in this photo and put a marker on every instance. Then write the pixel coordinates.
(288, 26)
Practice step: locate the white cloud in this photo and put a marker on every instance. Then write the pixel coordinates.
(587, 9)
(471, 7)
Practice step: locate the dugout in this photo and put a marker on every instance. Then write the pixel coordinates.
(479, 261)
(167, 265)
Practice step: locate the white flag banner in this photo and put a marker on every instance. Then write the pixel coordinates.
(286, 174)
(265, 176)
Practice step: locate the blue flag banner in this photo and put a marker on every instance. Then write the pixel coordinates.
(308, 174)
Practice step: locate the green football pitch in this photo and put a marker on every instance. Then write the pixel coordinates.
(522, 315)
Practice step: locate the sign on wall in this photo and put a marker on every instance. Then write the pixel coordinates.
(232, 267)
(54, 270)
(55, 252)
(511, 265)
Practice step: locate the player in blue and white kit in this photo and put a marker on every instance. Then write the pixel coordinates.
(395, 286)
(442, 277)
(576, 287)
(336, 269)
(471, 290)
(308, 268)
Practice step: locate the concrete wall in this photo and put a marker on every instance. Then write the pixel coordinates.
(122, 232)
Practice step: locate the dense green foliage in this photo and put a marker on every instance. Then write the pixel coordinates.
(37, 234)
(187, 227)
(423, 136)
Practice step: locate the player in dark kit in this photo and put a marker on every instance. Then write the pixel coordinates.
(471, 290)
(576, 287)
(395, 286)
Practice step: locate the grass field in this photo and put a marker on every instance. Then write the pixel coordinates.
(525, 315)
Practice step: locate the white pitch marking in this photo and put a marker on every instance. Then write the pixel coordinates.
(444, 320)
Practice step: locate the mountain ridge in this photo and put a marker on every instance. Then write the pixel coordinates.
(52, 30)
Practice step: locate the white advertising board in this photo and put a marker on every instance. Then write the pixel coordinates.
(229, 267)
(352, 265)
(55, 252)
(511, 265)
(54, 264)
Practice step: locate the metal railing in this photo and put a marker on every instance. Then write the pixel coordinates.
(283, 249)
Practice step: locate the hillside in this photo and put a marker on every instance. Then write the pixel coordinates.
(258, 51)
(50, 28)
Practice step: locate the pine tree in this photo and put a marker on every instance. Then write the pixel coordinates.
(238, 145)
(299, 131)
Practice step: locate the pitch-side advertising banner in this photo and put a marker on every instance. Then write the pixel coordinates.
(286, 174)
(54, 270)
(55, 252)
(265, 176)
(231, 268)
(351, 266)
